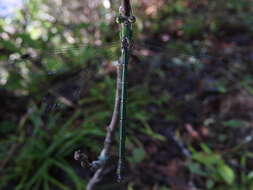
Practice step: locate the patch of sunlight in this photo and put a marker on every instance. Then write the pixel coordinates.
(8, 8)
(35, 29)
(3, 76)
(107, 4)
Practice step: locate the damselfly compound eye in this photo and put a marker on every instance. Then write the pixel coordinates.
(120, 19)
(131, 19)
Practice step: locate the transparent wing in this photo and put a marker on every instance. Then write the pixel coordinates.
(66, 86)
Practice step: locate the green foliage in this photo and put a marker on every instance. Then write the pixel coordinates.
(234, 123)
(214, 169)
(193, 26)
(47, 149)
(138, 155)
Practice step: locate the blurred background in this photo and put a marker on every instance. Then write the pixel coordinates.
(190, 104)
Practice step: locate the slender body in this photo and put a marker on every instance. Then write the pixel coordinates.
(126, 20)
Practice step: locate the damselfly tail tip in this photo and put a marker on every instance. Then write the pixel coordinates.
(120, 178)
(120, 171)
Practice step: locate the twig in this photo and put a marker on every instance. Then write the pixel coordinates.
(105, 153)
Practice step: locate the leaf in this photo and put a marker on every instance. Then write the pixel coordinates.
(130, 187)
(164, 188)
(193, 26)
(38, 174)
(222, 88)
(7, 127)
(138, 155)
(195, 168)
(234, 123)
(70, 172)
(226, 173)
(9, 45)
(206, 159)
(205, 148)
(14, 81)
(28, 41)
(147, 130)
(210, 184)
(57, 183)
(250, 175)
(53, 64)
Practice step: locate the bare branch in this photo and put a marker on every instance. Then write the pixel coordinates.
(105, 153)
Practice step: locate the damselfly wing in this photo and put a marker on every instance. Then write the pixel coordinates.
(69, 69)
(69, 84)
